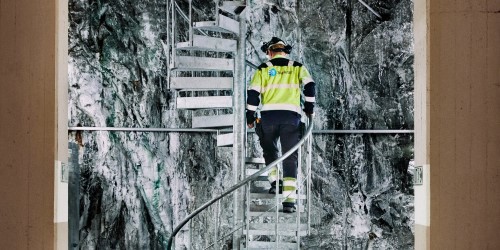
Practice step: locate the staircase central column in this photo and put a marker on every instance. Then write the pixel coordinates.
(239, 90)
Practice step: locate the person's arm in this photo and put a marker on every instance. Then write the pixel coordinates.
(253, 97)
(309, 91)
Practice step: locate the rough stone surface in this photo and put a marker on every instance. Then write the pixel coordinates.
(136, 186)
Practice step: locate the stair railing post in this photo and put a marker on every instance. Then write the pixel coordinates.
(191, 229)
(239, 127)
(172, 45)
(217, 12)
(309, 176)
(167, 18)
(247, 214)
(277, 205)
(249, 185)
(217, 218)
(191, 21)
(298, 191)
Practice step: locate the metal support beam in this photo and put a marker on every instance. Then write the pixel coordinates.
(239, 89)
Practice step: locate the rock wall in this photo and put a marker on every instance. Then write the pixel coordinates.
(136, 186)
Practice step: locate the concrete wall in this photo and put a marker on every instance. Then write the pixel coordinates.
(61, 187)
(464, 124)
(421, 95)
(27, 123)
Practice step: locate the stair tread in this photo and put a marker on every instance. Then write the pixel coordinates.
(271, 245)
(272, 196)
(269, 208)
(224, 24)
(273, 214)
(255, 160)
(213, 121)
(195, 63)
(206, 43)
(251, 171)
(225, 140)
(204, 102)
(261, 178)
(201, 83)
(281, 226)
(272, 232)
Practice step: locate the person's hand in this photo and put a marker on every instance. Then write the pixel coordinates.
(250, 125)
(310, 115)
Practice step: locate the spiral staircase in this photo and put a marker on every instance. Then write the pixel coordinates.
(207, 73)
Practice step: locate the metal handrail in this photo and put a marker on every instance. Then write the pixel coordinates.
(208, 130)
(238, 185)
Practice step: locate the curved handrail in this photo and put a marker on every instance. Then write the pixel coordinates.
(238, 185)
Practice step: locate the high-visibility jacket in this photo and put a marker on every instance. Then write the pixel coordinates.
(277, 84)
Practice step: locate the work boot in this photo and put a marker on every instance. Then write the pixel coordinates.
(272, 190)
(289, 208)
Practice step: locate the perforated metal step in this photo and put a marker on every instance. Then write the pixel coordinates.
(262, 177)
(253, 160)
(201, 83)
(193, 63)
(270, 208)
(225, 140)
(206, 43)
(284, 227)
(213, 121)
(271, 196)
(273, 232)
(224, 24)
(270, 245)
(204, 102)
(273, 214)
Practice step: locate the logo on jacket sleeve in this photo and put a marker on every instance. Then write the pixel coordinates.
(272, 72)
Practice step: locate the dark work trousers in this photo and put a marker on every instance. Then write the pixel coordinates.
(289, 137)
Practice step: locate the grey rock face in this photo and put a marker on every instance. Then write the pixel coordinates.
(136, 186)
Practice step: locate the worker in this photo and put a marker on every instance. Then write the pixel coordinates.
(277, 85)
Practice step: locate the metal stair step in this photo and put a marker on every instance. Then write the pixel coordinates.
(262, 177)
(270, 245)
(269, 208)
(204, 102)
(206, 43)
(225, 140)
(259, 189)
(286, 227)
(213, 121)
(201, 83)
(273, 214)
(273, 232)
(233, 7)
(224, 24)
(264, 196)
(253, 160)
(194, 63)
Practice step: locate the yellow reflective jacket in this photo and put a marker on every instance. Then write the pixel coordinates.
(279, 83)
